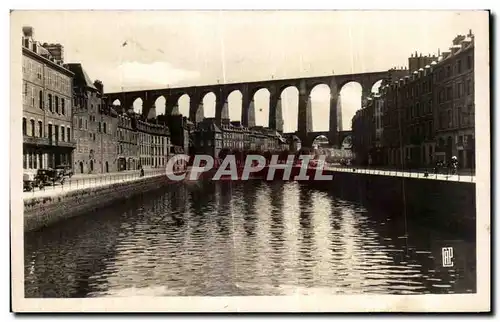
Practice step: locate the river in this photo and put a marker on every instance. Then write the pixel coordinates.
(239, 238)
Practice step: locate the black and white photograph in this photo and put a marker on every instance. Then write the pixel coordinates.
(250, 161)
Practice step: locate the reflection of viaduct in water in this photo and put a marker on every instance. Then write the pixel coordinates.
(249, 209)
(276, 214)
(248, 90)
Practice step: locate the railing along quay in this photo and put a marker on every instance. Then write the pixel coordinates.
(78, 182)
(444, 174)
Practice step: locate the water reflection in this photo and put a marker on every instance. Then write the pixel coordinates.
(237, 238)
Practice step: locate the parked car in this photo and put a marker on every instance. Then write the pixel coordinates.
(29, 180)
(46, 177)
(66, 170)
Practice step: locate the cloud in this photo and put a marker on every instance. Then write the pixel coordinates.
(159, 74)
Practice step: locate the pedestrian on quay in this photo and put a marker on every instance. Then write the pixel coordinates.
(438, 165)
(454, 165)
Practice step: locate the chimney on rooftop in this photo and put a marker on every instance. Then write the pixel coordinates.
(458, 39)
(100, 87)
(28, 32)
(56, 51)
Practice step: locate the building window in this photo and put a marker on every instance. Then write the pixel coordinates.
(57, 105)
(469, 87)
(459, 66)
(50, 103)
(40, 129)
(104, 127)
(40, 100)
(68, 134)
(33, 96)
(63, 111)
(62, 133)
(469, 62)
(32, 124)
(24, 126)
(448, 71)
(56, 134)
(449, 93)
(99, 127)
(25, 93)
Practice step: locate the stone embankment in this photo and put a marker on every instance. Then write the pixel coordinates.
(44, 210)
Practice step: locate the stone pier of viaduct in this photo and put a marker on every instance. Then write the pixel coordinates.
(248, 89)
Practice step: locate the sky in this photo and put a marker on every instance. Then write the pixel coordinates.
(188, 48)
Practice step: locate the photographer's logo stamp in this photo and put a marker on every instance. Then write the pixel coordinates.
(447, 256)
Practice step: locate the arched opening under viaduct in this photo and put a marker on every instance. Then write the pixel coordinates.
(320, 106)
(138, 105)
(320, 141)
(261, 101)
(290, 108)
(160, 105)
(234, 103)
(346, 143)
(350, 97)
(183, 103)
(209, 101)
(376, 86)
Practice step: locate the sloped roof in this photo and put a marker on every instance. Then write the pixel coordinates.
(81, 78)
(215, 128)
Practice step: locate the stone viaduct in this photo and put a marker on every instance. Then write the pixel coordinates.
(248, 89)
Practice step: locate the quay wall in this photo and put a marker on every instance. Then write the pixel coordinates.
(40, 212)
(450, 205)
